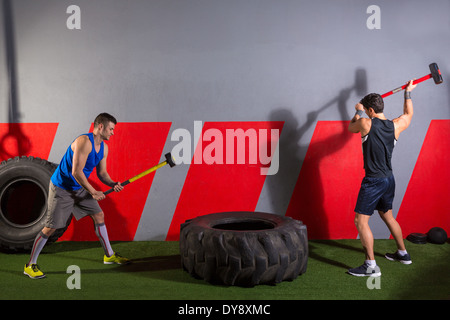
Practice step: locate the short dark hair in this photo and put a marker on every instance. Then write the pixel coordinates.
(374, 101)
(104, 118)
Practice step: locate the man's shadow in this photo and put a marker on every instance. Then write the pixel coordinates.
(292, 152)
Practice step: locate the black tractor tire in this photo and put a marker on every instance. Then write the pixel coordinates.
(244, 248)
(24, 184)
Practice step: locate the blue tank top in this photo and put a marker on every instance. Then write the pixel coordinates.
(62, 177)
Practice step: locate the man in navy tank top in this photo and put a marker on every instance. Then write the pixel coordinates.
(71, 193)
(379, 136)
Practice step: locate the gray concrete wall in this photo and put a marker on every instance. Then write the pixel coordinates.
(182, 61)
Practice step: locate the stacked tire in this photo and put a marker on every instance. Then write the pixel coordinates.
(244, 248)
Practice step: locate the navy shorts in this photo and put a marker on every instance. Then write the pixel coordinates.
(375, 194)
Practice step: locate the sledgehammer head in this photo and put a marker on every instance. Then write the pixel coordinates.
(170, 159)
(436, 73)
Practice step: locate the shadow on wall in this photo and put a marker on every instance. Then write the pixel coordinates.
(14, 142)
(447, 81)
(307, 201)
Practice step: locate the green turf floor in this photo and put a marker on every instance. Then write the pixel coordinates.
(156, 274)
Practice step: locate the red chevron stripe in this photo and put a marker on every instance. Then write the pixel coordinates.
(26, 139)
(223, 187)
(327, 187)
(134, 148)
(426, 202)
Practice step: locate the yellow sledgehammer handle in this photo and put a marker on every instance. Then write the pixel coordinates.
(169, 160)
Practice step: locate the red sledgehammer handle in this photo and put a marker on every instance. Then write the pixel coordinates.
(404, 86)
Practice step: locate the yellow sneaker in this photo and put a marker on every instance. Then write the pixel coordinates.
(115, 258)
(33, 271)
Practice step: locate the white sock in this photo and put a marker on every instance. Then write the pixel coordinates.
(102, 234)
(402, 252)
(38, 245)
(371, 263)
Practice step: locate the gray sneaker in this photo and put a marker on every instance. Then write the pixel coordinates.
(365, 271)
(406, 259)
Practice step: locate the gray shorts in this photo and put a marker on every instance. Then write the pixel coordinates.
(62, 203)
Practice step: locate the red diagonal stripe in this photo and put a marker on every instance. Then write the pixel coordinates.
(327, 187)
(26, 139)
(134, 148)
(426, 202)
(223, 187)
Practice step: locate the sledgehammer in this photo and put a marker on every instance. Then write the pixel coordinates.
(435, 74)
(169, 160)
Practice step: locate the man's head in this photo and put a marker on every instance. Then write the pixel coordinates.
(374, 101)
(104, 123)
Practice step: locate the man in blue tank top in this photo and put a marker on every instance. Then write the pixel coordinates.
(71, 193)
(379, 136)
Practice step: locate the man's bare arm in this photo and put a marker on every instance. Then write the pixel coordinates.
(81, 148)
(103, 175)
(403, 122)
(359, 124)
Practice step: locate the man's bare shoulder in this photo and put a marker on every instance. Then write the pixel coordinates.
(82, 143)
(366, 124)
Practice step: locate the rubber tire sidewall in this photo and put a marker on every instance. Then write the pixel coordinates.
(26, 168)
(244, 257)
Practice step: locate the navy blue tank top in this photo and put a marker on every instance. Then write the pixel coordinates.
(63, 178)
(377, 146)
